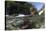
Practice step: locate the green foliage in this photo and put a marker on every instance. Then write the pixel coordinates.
(15, 7)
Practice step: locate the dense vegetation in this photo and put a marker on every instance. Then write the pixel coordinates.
(18, 8)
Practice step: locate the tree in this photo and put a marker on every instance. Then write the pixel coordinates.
(18, 7)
